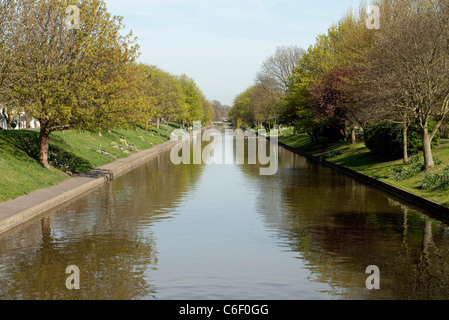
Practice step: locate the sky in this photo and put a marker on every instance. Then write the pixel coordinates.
(222, 44)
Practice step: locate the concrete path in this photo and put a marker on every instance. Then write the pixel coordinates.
(18, 211)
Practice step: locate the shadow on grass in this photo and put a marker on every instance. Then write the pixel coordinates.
(25, 142)
(362, 159)
(18, 143)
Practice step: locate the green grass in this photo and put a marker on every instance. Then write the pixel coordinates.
(21, 173)
(359, 158)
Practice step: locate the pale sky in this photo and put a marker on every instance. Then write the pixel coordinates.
(222, 43)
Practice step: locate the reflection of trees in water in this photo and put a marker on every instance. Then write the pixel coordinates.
(422, 263)
(339, 227)
(105, 234)
(111, 268)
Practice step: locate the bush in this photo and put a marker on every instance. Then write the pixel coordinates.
(331, 133)
(386, 139)
(430, 180)
(434, 180)
(410, 170)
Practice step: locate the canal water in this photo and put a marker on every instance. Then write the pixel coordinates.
(225, 232)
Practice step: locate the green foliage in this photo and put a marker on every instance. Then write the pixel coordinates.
(241, 113)
(386, 139)
(436, 180)
(192, 108)
(174, 125)
(410, 170)
(414, 137)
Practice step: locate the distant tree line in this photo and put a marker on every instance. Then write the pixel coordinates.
(357, 79)
(221, 112)
(84, 77)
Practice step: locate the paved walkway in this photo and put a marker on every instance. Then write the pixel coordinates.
(18, 211)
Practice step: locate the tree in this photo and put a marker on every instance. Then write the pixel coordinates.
(164, 90)
(221, 111)
(333, 99)
(276, 74)
(274, 81)
(241, 112)
(208, 110)
(253, 107)
(192, 98)
(410, 62)
(341, 48)
(72, 79)
(10, 33)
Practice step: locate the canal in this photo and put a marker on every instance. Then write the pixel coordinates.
(226, 232)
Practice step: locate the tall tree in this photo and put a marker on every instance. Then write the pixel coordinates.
(10, 32)
(208, 110)
(274, 81)
(332, 100)
(276, 74)
(164, 90)
(241, 112)
(193, 109)
(410, 61)
(72, 78)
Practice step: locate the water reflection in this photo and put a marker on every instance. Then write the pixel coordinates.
(341, 227)
(106, 234)
(226, 232)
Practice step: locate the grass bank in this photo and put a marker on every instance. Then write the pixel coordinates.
(433, 185)
(70, 152)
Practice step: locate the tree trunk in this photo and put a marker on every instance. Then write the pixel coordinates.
(405, 142)
(427, 149)
(8, 119)
(44, 137)
(311, 137)
(158, 121)
(28, 119)
(353, 136)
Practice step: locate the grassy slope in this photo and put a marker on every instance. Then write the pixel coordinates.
(359, 158)
(20, 172)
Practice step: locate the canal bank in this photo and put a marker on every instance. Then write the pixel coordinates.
(397, 192)
(17, 212)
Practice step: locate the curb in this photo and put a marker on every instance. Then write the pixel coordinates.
(16, 212)
(413, 199)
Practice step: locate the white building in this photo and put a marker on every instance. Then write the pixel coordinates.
(20, 122)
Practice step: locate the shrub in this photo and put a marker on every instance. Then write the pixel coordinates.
(410, 170)
(437, 180)
(430, 180)
(386, 139)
